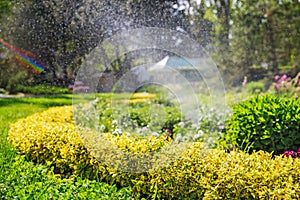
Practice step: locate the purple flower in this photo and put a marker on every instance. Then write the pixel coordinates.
(283, 78)
(288, 153)
(81, 88)
(277, 86)
(78, 83)
(168, 130)
(277, 77)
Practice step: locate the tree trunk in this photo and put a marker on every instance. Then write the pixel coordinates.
(65, 78)
(223, 8)
(271, 38)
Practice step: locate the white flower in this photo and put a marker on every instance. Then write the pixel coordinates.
(128, 134)
(194, 125)
(209, 140)
(96, 100)
(200, 133)
(102, 127)
(114, 122)
(197, 136)
(138, 130)
(93, 103)
(144, 129)
(178, 137)
(117, 131)
(181, 124)
(155, 134)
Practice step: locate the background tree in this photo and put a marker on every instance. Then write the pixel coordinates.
(57, 32)
(255, 38)
(10, 74)
(265, 34)
(5, 8)
(252, 38)
(60, 33)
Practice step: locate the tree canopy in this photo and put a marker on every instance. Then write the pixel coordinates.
(242, 36)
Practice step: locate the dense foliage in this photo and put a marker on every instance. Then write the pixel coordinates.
(51, 137)
(5, 7)
(32, 181)
(266, 122)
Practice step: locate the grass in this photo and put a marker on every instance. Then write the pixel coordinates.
(21, 179)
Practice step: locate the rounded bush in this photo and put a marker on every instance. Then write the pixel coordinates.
(199, 173)
(266, 122)
(255, 87)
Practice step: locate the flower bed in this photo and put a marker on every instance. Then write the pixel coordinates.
(199, 173)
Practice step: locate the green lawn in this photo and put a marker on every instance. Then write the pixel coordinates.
(21, 179)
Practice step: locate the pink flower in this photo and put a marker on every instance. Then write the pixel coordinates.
(277, 86)
(78, 83)
(168, 130)
(283, 78)
(288, 153)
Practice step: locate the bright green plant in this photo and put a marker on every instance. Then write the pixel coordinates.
(266, 122)
(26, 180)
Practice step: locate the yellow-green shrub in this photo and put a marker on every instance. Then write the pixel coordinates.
(51, 136)
(198, 173)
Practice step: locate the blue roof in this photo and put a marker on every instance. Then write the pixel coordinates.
(183, 62)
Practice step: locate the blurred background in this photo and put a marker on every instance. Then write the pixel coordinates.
(45, 42)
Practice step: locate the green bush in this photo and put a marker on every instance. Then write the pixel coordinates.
(3, 91)
(266, 122)
(42, 90)
(25, 180)
(135, 114)
(198, 173)
(255, 87)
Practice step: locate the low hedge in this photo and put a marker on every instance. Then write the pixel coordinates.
(198, 173)
(42, 90)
